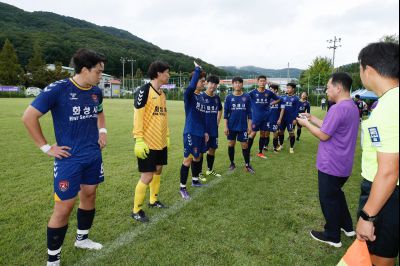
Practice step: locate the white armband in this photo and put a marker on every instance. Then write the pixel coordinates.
(45, 148)
(103, 130)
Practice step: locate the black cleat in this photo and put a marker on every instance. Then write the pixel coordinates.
(140, 217)
(157, 204)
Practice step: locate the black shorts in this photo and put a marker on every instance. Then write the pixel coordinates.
(154, 159)
(386, 225)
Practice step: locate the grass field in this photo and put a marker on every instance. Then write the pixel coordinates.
(240, 219)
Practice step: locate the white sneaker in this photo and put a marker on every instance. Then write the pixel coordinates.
(349, 234)
(291, 150)
(88, 244)
(53, 263)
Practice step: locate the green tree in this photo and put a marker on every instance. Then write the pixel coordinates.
(36, 69)
(317, 74)
(11, 72)
(354, 71)
(139, 74)
(390, 38)
(57, 74)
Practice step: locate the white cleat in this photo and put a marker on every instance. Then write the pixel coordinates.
(53, 263)
(291, 150)
(348, 234)
(88, 244)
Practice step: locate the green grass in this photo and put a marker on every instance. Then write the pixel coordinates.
(240, 219)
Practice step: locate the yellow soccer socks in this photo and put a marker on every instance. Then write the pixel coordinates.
(154, 188)
(140, 194)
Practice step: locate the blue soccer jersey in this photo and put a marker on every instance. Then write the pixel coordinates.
(304, 107)
(291, 105)
(213, 105)
(260, 104)
(195, 122)
(274, 112)
(74, 111)
(237, 111)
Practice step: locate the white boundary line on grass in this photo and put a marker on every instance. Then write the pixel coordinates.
(130, 235)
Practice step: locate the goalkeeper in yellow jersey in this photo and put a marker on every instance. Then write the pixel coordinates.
(152, 137)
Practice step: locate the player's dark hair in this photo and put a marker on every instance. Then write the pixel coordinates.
(274, 86)
(237, 79)
(86, 58)
(261, 77)
(202, 75)
(213, 79)
(357, 96)
(383, 57)
(291, 84)
(342, 78)
(157, 67)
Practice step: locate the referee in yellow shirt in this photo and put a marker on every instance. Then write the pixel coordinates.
(379, 201)
(150, 130)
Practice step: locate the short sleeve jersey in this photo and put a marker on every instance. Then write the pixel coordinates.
(213, 106)
(195, 123)
(304, 107)
(237, 111)
(260, 104)
(75, 111)
(151, 117)
(380, 133)
(291, 105)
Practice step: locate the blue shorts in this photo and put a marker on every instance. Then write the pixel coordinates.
(260, 126)
(70, 175)
(212, 143)
(193, 146)
(287, 125)
(273, 124)
(241, 136)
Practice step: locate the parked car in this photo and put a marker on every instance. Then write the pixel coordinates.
(33, 91)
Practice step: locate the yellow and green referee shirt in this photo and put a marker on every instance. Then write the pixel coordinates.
(380, 133)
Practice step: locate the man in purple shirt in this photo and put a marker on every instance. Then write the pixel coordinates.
(338, 135)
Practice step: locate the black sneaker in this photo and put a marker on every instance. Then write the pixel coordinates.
(140, 217)
(319, 236)
(157, 204)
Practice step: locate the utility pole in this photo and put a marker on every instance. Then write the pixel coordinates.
(123, 60)
(288, 72)
(334, 45)
(131, 60)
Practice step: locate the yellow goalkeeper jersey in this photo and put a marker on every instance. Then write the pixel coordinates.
(150, 119)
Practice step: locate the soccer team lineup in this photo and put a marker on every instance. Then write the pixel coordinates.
(253, 128)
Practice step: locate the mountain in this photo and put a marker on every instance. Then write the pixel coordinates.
(255, 71)
(60, 36)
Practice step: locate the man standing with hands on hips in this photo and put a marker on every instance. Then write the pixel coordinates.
(338, 136)
(379, 200)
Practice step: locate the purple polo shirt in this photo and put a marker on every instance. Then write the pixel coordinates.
(336, 155)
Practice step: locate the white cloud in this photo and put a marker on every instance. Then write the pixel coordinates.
(263, 33)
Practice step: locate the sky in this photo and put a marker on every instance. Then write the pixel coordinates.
(263, 33)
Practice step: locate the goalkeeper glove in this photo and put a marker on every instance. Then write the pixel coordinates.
(141, 149)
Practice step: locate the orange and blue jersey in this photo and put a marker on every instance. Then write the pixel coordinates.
(237, 111)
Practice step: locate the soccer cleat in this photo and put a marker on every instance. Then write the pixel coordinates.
(53, 263)
(202, 178)
(213, 173)
(232, 167)
(291, 150)
(280, 147)
(262, 156)
(198, 184)
(88, 244)
(184, 194)
(298, 139)
(319, 236)
(348, 233)
(157, 205)
(265, 148)
(276, 151)
(250, 169)
(140, 216)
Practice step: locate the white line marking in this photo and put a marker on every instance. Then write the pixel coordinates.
(128, 237)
